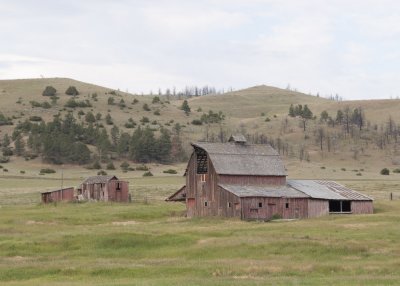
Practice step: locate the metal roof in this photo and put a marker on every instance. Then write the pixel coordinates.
(243, 159)
(98, 179)
(315, 190)
(267, 191)
(345, 192)
(327, 190)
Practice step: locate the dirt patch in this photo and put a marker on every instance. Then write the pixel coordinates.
(124, 223)
(30, 222)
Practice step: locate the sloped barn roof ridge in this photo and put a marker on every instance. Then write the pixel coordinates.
(283, 191)
(230, 148)
(98, 179)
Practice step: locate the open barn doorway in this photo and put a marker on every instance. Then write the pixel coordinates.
(336, 206)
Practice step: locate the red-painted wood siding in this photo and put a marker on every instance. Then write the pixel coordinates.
(297, 208)
(66, 195)
(362, 207)
(228, 204)
(114, 195)
(318, 208)
(252, 180)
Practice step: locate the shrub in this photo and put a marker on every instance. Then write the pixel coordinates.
(276, 216)
(156, 99)
(96, 165)
(110, 166)
(5, 170)
(4, 120)
(72, 91)
(7, 151)
(147, 174)
(358, 174)
(157, 112)
(323, 167)
(22, 172)
(197, 122)
(135, 101)
(98, 116)
(49, 91)
(109, 120)
(130, 124)
(101, 173)
(267, 119)
(146, 107)
(122, 104)
(385, 171)
(35, 118)
(47, 171)
(46, 105)
(142, 168)
(71, 103)
(124, 165)
(110, 100)
(4, 159)
(145, 120)
(80, 112)
(343, 169)
(396, 170)
(89, 117)
(170, 171)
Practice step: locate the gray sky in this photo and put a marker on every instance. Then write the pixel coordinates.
(347, 47)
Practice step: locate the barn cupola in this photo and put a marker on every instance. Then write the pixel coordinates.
(238, 139)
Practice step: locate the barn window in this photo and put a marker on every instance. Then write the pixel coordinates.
(205, 204)
(118, 186)
(203, 177)
(260, 205)
(339, 206)
(229, 204)
(201, 157)
(287, 205)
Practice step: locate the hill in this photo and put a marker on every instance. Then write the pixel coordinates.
(261, 112)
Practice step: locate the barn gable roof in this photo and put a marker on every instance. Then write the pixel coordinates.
(260, 191)
(178, 196)
(99, 179)
(243, 159)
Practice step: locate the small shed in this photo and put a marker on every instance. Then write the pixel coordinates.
(104, 188)
(65, 194)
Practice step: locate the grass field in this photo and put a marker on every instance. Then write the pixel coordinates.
(150, 242)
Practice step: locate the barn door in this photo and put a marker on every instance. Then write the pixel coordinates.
(190, 205)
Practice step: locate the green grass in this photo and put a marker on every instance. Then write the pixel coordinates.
(150, 242)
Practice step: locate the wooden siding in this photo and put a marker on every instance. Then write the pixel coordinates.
(113, 190)
(252, 180)
(228, 204)
(317, 208)
(66, 195)
(117, 191)
(297, 208)
(362, 207)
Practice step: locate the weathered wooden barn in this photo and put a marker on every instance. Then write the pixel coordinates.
(104, 188)
(65, 194)
(237, 179)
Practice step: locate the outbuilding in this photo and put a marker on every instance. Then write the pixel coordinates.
(64, 194)
(104, 188)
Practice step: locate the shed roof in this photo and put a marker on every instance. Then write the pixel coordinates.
(267, 191)
(243, 159)
(327, 190)
(98, 179)
(178, 196)
(52, 191)
(239, 138)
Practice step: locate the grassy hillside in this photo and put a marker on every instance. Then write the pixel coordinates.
(256, 110)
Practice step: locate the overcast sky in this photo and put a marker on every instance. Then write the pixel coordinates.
(347, 47)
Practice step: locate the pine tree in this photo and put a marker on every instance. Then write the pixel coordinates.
(291, 111)
(19, 145)
(185, 107)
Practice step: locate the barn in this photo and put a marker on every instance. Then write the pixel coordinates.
(104, 188)
(64, 194)
(237, 179)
